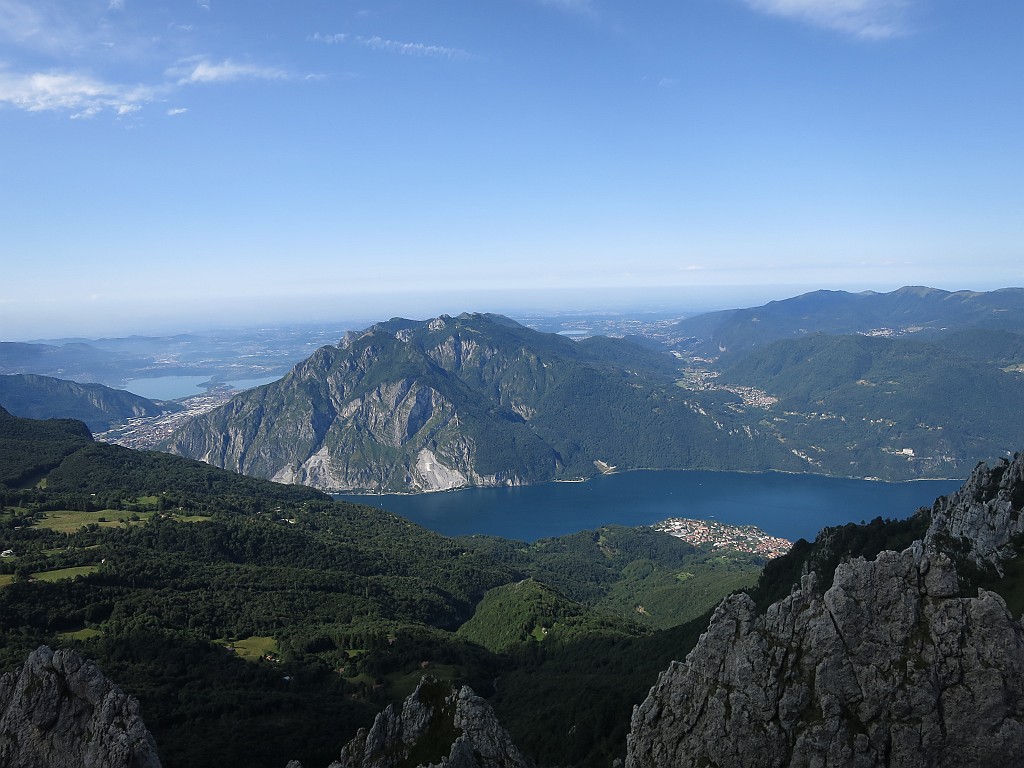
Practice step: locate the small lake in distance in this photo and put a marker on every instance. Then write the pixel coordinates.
(174, 387)
(787, 505)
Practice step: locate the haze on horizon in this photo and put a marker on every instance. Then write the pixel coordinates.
(196, 162)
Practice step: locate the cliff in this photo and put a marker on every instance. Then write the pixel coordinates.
(436, 726)
(60, 711)
(892, 665)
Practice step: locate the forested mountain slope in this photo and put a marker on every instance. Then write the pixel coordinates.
(861, 405)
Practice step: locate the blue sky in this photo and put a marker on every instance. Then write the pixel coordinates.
(208, 161)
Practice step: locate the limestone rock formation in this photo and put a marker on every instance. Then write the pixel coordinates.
(983, 518)
(436, 726)
(889, 666)
(60, 710)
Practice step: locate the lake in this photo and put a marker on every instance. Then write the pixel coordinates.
(787, 505)
(174, 387)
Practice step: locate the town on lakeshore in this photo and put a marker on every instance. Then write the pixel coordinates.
(738, 538)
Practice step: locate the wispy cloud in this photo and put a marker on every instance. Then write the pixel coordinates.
(202, 70)
(378, 43)
(414, 49)
(316, 37)
(84, 96)
(177, 111)
(81, 59)
(81, 95)
(868, 19)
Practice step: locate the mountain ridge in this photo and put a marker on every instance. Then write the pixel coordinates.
(923, 310)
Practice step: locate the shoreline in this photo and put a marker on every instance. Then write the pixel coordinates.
(620, 471)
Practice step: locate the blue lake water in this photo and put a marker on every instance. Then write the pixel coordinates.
(167, 387)
(791, 506)
(173, 387)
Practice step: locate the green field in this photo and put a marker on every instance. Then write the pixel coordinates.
(68, 521)
(252, 648)
(6, 578)
(81, 634)
(65, 573)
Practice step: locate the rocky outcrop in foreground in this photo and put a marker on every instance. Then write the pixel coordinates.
(60, 711)
(889, 666)
(436, 726)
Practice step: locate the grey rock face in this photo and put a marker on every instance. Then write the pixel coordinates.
(61, 711)
(436, 726)
(890, 666)
(984, 516)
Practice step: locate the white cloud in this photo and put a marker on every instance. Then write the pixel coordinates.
(202, 70)
(80, 56)
(85, 96)
(869, 19)
(82, 95)
(177, 111)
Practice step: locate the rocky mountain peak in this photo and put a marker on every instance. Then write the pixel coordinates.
(438, 725)
(982, 520)
(60, 711)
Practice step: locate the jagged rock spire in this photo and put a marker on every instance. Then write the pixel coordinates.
(59, 711)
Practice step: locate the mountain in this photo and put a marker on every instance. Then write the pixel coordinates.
(910, 309)
(899, 660)
(42, 397)
(471, 400)
(437, 725)
(59, 711)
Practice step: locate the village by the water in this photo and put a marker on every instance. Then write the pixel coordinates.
(738, 538)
